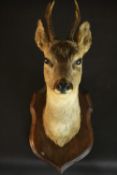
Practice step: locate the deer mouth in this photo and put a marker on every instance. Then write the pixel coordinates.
(63, 92)
(63, 87)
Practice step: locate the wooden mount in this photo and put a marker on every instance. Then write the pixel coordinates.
(45, 149)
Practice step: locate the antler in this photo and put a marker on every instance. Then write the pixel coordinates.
(48, 17)
(76, 20)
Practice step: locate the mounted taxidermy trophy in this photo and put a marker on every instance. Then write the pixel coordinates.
(61, 131)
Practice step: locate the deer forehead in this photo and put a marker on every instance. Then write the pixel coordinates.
(63, 51)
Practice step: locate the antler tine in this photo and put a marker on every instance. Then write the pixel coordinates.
(48, 17)
(76, 21)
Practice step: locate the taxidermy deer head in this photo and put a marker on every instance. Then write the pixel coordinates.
(62, 73)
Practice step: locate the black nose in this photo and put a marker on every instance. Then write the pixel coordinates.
(63, 86)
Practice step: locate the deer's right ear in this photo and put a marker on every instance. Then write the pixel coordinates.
(84, 38)
(41, 36)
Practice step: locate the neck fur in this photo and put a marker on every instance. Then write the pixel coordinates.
(61, 117)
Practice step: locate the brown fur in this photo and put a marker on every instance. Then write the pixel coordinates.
(61, 117)
(64, 50)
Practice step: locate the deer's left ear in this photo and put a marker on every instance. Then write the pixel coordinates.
(41, 36)
(84, 38)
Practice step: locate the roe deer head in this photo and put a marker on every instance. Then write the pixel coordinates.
(62, 73)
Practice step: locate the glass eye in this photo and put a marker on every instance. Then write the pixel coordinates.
(47, 61)
(78, 62)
